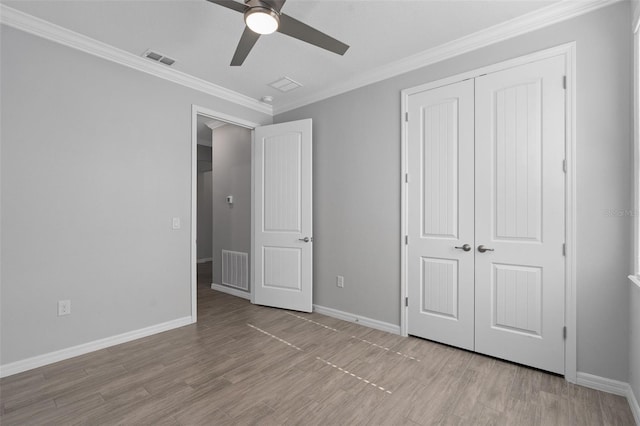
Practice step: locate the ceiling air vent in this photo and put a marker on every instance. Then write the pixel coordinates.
(158, 57)
(285, 84)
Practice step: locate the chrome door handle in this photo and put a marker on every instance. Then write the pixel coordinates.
(483, 249)
(305, 239)
(465, 247)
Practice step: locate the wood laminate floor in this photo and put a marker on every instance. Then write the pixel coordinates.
(246, 364)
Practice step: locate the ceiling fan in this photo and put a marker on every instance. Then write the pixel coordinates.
(264, 17)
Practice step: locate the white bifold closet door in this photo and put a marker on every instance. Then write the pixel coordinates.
(511, 197)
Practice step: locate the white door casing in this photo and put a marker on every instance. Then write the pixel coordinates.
(520, 184)
(441, 203)
(283, 240)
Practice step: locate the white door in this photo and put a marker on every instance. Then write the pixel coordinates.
(441, 219)
(520, 283)
(282, 222)
(486, 169)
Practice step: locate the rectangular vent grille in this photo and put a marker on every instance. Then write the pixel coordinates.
(235, 269)
(158, 57)
(285, 84)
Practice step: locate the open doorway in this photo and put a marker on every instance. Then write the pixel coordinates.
(279, 210)
(224, 206)
(221, 204)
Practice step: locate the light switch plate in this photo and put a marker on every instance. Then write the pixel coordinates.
(64, 307)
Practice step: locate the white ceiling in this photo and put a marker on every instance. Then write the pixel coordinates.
(202, 36)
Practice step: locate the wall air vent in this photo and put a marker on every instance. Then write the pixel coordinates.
(285, 84)
(158, 57)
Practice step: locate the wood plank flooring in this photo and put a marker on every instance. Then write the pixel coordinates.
(246, 364)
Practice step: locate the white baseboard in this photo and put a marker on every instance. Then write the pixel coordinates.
(231, 291)
(205, 260)
(633, 403)
(367, 322)
(611, 386)
(62, 354)
(602, 384)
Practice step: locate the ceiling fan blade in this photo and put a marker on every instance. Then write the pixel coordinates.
(245, 45)
(296, 29)
(230, 4)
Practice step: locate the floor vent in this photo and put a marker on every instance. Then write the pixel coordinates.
(235, 269)
(158, 57)
(285, 84)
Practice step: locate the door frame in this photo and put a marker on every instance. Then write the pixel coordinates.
(214, 115)
(568, 50)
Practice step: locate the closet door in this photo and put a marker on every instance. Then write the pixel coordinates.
(440, 221)
(520, 183)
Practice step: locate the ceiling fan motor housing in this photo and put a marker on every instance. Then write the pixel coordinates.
(262, 8)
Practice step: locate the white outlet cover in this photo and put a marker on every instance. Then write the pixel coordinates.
(175, 223)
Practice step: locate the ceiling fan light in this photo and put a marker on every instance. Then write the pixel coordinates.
(261, 20)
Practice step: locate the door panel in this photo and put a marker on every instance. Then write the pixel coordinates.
(518, 151)
(439, 287)
(519, 182)
(283, 242)
(441, 197)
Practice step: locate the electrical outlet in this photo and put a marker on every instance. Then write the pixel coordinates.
(340, 281)
(64, 307)
(175, 223)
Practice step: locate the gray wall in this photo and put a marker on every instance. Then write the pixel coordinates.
(231, 176)
(357, 184)
(96, 160)
(205, 202)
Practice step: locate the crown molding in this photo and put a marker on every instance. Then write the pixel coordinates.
(47, 30)
(532, 21)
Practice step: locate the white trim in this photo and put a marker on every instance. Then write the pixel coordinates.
(231, 291)
(571, 222)
(615, 387)
(205, 260)
(252, 269)
(635, 188)
(195, 111)
(367, 322)
(552, 14)
(60, 355)
(633, 404)
(635, 279)
(193, 256)
(568, 50)
(404, 211)
(47, 30)
(555, 13)
(603, 384)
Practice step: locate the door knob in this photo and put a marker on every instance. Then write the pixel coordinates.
(482, 249)
(305, 239)
(465, 247)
